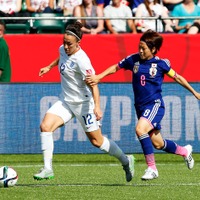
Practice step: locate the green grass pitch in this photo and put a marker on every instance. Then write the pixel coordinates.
(100, 177)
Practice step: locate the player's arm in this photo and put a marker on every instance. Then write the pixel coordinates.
(94, 79)
(96, 97)
(46, 69)
(182, 81)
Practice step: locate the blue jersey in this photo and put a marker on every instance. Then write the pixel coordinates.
(147, 77)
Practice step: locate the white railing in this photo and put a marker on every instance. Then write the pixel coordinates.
(65, 18)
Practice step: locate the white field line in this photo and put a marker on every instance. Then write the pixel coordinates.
(147, 184)
(123, 185)
(89, 164)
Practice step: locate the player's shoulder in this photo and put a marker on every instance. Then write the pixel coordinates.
(133, 56)
(81, 56)
(163, 61)
(61, 48)
(62, 52)
(130, 60)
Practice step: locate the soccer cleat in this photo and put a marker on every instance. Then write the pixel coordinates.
(129, 168)
(189, 159)
(150, 174)
(44, 174)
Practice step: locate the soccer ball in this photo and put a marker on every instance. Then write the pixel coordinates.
(8, 176)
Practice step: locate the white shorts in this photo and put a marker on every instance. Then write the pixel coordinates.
(84, 112)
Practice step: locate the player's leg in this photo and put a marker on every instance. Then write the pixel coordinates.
(56, 116)
(142, 128)
(85, 114)
(170, 146)
(110, 147)
(149, 118)
(48, 125)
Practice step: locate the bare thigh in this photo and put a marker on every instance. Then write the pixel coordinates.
(51, 122)
(143, 126)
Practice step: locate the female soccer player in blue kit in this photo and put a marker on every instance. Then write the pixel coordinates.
(148, 72)
(78, 100)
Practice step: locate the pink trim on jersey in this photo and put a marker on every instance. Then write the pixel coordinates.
(181, 151)
(88, 71)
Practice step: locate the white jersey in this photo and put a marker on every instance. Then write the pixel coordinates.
(73, 70)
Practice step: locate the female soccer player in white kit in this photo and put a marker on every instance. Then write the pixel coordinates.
(78, 100)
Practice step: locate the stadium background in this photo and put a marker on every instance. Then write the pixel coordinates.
(25, 100)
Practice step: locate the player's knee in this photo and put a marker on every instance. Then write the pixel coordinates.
(139, 131)
(158, 146)
(95, 142)
(44, 127)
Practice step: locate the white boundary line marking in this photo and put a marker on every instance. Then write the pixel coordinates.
(93, 164)
(148, 184)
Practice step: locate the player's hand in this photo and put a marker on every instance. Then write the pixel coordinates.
(43, 71)
(98, 113)
(91, 79)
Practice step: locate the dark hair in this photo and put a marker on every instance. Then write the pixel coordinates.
(152, 39)
(75, 28)
(3, 23)
(83, 12)
(146, 3)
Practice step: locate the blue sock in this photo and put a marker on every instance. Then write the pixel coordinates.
(169, 146)
(148, 150)
(146, 144)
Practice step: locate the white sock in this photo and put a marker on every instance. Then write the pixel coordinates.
(113, 149)
(47, 146)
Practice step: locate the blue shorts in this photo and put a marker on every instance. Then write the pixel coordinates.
(153, 112)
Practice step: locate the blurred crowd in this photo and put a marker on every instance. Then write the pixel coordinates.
(123, 10)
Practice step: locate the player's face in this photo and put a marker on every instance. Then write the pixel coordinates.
(71, 45)
(144, 51)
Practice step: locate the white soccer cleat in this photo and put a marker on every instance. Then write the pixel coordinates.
(150, 174)
(189, 159)
(44, 174)
(129, 168)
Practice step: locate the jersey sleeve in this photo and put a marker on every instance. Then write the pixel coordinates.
(166, 65)
(168, 70)
(128, 62)
(85, 67)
